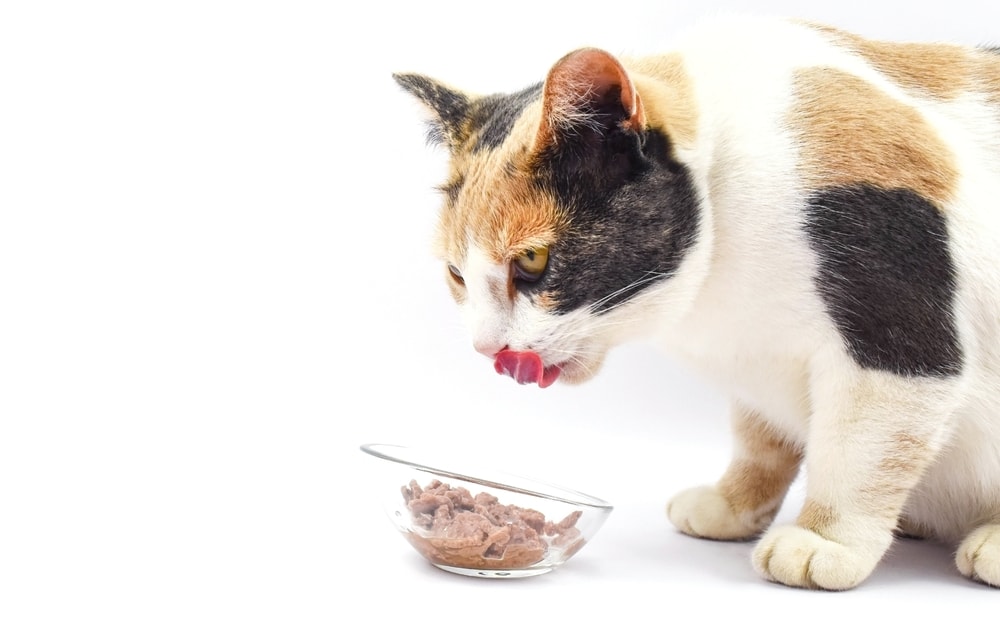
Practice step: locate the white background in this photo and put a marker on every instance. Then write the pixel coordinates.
(216, 283)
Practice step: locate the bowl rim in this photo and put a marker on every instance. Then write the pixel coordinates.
(572, 496)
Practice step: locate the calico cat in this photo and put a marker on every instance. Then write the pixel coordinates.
(809, 218)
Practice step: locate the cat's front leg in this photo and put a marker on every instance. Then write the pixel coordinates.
(978, 556)
(871, 437)
(744, 502)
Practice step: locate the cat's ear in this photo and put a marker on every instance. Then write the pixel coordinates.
(588, 89)
(449, 108)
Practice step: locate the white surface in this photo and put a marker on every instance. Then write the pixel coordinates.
(215, 284)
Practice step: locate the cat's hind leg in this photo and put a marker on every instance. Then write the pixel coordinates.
(978, 556)
(872, 435)
(747, 497)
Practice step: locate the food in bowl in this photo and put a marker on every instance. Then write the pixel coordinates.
(456, 528)
(476, 521)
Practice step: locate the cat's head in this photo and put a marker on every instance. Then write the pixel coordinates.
(566, 213)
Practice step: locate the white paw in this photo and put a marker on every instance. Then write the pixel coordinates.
(705, 513)
(978, 556)
(801, 558)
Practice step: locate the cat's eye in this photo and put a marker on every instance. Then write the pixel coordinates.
(529, 265)
(456, 274)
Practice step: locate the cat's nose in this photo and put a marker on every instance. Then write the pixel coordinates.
(488, 348)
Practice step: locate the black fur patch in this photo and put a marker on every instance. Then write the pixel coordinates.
(452, 188)
(633, 215)
(494, 116)
(887, 278)
(452, 107)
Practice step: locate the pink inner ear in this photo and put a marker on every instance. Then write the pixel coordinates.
(582, 76)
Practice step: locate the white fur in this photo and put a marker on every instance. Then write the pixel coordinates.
(757, 326)
(743, 310)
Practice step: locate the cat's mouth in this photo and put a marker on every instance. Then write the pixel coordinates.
(526, 367)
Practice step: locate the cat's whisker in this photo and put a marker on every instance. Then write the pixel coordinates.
(648, 277)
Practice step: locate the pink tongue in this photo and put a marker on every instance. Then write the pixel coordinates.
(526, 367)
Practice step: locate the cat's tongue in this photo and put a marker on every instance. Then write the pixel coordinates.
(526, 367)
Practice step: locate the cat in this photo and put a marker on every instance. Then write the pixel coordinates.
(807, 217)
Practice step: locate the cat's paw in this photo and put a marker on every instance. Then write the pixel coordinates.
(705, 513)
(801, 558)
(978, 556)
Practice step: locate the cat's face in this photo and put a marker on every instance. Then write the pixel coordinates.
(564, 214)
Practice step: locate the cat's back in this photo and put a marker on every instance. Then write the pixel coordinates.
(745, 49)
(822, 156)
(795, 73)
(786, 110)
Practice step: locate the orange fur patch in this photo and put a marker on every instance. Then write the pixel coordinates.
(516, 218)
(943, 71)
(759, 478)
(546, 300)
(987, 76)
(899, 470)
(667, 94)
(906, 458)
(816, 517)
(500, 206)
(938, 70)
(851, 132)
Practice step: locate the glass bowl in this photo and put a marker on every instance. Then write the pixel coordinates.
(478, 522)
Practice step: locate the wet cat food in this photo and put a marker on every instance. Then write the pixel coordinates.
(455, 528)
